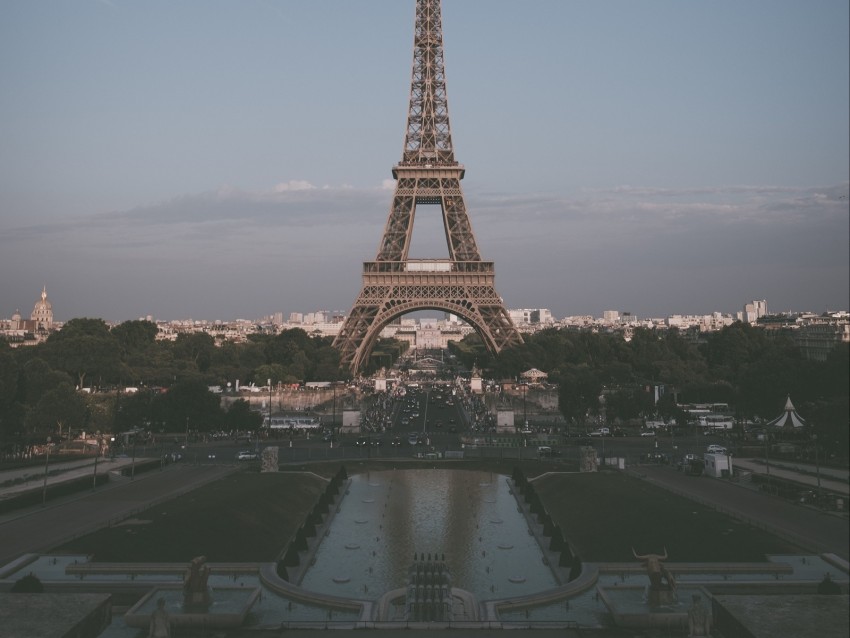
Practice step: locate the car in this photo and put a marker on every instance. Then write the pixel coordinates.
(716, 449)
(413, 438)
(396, 442)
(247, 455)
(655, 457)
(648, 433)
(545, 451)
(361, 442)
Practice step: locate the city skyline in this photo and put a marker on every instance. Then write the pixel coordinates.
(322, 315)
(187, 161)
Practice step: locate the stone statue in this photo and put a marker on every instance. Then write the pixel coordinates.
(699, 619)
(195, 591)
(160, 625)
(269, 459)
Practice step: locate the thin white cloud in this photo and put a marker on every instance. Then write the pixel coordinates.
(294, 185)
(604, 244)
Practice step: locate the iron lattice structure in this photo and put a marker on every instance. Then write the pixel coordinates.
(394, 285)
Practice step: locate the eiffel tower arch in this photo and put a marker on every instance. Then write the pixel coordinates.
(393, 284)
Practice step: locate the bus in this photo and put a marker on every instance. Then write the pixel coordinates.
(302, 424)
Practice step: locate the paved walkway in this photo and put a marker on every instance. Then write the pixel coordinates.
(28, 478)
(830, 479)
(810, 528)
(38, 529)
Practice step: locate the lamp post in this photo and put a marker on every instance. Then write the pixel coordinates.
(524, 407)
(133, 465)
(46, 466)
(672, 446)
(257, 445)
(817, 463)
(767, 456)
(333, 418)
(96, 454)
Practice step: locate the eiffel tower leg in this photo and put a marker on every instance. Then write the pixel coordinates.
(377, 306)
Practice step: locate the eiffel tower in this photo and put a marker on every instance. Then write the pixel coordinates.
(428, 174)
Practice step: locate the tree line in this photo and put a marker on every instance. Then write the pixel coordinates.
(747, 367)
(41, 386)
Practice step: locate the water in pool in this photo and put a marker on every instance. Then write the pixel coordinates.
(470, 517)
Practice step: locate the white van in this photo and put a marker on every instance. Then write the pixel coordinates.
(716, 449)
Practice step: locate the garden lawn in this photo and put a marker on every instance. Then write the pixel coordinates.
(244, 517)
(250, 517)
(605, 514)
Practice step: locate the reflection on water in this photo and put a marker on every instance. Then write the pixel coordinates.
(470, 517)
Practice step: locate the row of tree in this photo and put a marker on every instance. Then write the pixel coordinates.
(747, 367)
(751, 368)
(41, 386)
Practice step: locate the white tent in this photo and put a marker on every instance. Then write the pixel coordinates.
(534, 375)
(789, 419)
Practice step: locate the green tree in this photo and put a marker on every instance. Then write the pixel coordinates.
(134, 336)
(188, 399)
(135, 411)
(240, 416)
(197, 348)
(578, 393)
(57, 413)
(274, 372)
(8, 377)
(38, 378)
(84, 348)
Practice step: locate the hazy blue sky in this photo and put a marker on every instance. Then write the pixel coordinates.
(220, 159)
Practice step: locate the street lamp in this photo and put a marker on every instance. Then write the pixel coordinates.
(133, 466)
(333, 421)
(817, 462)
(767, 456)
(46, 465)
(524, 407)
(96, 454)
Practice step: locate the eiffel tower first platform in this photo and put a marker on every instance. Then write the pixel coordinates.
(428, 174)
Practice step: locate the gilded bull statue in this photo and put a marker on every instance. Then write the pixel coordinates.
(196, 593)
(656, 571)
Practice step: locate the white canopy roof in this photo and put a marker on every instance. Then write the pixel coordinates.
(788, 419)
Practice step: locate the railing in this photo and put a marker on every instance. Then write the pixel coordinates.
(471, 625)
(428, 265)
